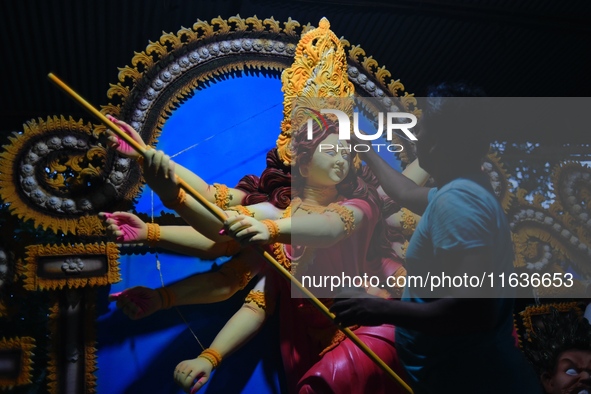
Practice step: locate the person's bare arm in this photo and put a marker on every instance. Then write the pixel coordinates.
(457, 314)
(400, 188)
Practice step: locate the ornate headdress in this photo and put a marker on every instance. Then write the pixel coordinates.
(557, 332)
(319, 71)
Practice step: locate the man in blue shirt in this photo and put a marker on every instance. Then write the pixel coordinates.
(461, 341)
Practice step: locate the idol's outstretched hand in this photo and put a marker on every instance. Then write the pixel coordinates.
(192, 374)
(247, 230)
(119, 144)
(159, 173)
(125, 227)
(137, 302)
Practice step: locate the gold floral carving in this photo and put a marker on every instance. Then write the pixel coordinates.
(408, 223)
(203, 32)
(555, 238)
(237, 270)
(222, 195)
(89, 226)
(396, 291)
(257, 297)
(319, 70)
(35, 253)
(242, 210)
(63, 173)
(499, 178)
(572, 182)
(52, 364)
(345, 214)
(531, 312)
(89, 352)
(25, 345)
(278, 248)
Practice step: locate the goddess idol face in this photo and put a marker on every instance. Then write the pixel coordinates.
(330, 163)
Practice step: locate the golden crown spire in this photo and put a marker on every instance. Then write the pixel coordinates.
(319, 71)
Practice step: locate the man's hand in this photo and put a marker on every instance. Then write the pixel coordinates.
(366, 311)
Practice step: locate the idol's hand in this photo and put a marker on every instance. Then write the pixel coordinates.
(247, 230)
(192, 374)
(137, 302)
(119, 144)
(125, 227)
(159, 173)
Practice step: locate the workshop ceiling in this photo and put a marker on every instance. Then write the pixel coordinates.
(522, 49)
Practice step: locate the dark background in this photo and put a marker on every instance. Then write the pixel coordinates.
(510, 48)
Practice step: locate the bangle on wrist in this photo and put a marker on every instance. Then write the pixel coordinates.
(167, 297)
(153, 234)
(178, 202)
(213, 356)
(273, 228)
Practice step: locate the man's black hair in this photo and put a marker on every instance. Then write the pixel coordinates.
(460, 114)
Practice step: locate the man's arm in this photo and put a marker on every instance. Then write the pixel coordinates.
(458, 314)
(400, 188)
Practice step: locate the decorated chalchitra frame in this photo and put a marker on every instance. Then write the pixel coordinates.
(58, 174)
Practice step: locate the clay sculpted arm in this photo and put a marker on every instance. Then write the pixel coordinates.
(160, 172)
(218, 194)
(243, 325)
(127, 228)
(313, 229)
(415, 173)
(139, 302)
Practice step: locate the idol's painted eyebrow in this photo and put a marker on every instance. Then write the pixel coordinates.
(569, 363)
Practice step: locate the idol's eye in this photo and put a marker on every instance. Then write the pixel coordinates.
(345, 155)
(331, 153)
(571, 372)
